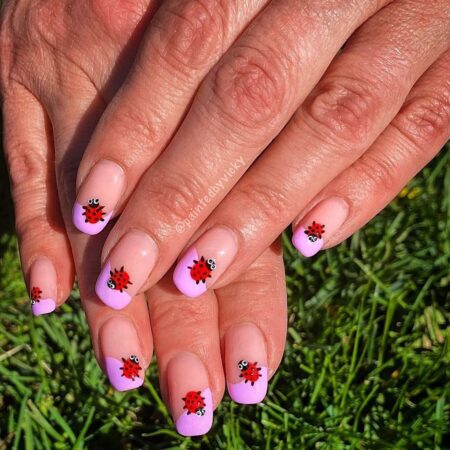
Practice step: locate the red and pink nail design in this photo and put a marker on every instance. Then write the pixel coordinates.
(321, 222)
(253, 387)
(120, 345)
(197, 415)
(126, 269)
(98, 197)
(203, 263)
(43, 287)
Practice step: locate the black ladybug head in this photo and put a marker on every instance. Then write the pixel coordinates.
(200, 412)
(111, 283)
(134, 359)
(243, 364)
(211, 263)
(94, 202)
(312, 238)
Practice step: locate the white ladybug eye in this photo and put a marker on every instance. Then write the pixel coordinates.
(136, 359)
(198, 412)
(33, 302)
(91, 202)
(244, 363)
(240, 366)
(96, 202)
(111, 284)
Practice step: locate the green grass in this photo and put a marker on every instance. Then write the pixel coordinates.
(366, 363)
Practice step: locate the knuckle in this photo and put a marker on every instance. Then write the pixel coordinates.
(26, 166)
(250, 87)
(426, 119)
(268, 205)
(175, 197)
(380, 173)
(344, 110)
(193, 31)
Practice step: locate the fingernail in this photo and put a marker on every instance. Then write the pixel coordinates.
(126, 269)
(121, 349)
(204, 262)
(43, 287)
(190, 396)
(246, 364)
(319, 224)
(98, 196)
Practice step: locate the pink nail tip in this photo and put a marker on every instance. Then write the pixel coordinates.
(198, 417)
(42, 306)
(307, 242)
(124, 374)
(110, 287)
(191, 273)
(246, 393)
(90, 218)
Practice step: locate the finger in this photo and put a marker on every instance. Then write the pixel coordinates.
(253, 322)
(414, 137)
(44, 248)
(183, 42)
(188, 354)
(346, 112)
(176, 188)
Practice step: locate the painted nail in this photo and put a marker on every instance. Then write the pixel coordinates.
(43, 287)
(246, 364)
(204, 262)
(122, 354)
(321, 222)
(98, 196)
(190, 397)
(126, 269)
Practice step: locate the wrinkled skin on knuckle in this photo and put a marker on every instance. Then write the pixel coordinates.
(190, 33)
(174, 197)
(249, 88)
(343, 111)
(427, 119)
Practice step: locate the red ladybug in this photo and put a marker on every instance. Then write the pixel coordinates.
(131, 367)
(201, 270)
(35, 295)
(119, 280)
(249, 371)
(315, 231)
(194, 403)
(93, 212)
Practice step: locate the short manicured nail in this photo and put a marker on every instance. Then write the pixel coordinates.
(122, 353)
(204, 262)
(246, 364)
(43, 287)
(190, 397)
(126, 269)
(98, 197)
(319, 224)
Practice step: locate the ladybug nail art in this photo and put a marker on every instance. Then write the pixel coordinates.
(194, 403)
(249, 371)
(93, 212)
(119, 280)
(131, 367)
(315, 231)
(201, 270)
(36, 294)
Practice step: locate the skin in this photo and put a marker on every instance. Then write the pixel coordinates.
(44, 141)
(368, 126)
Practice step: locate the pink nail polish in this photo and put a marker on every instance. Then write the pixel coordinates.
(321, 222)
(204, 262)
(126, 269)
(121, 349)
(246, 364)
(190, 397)
(43, 287)
(98, 197)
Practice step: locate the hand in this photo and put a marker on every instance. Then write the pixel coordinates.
(345, 150)
(236, 323)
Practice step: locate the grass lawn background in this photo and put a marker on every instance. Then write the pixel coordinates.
(366, 361)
